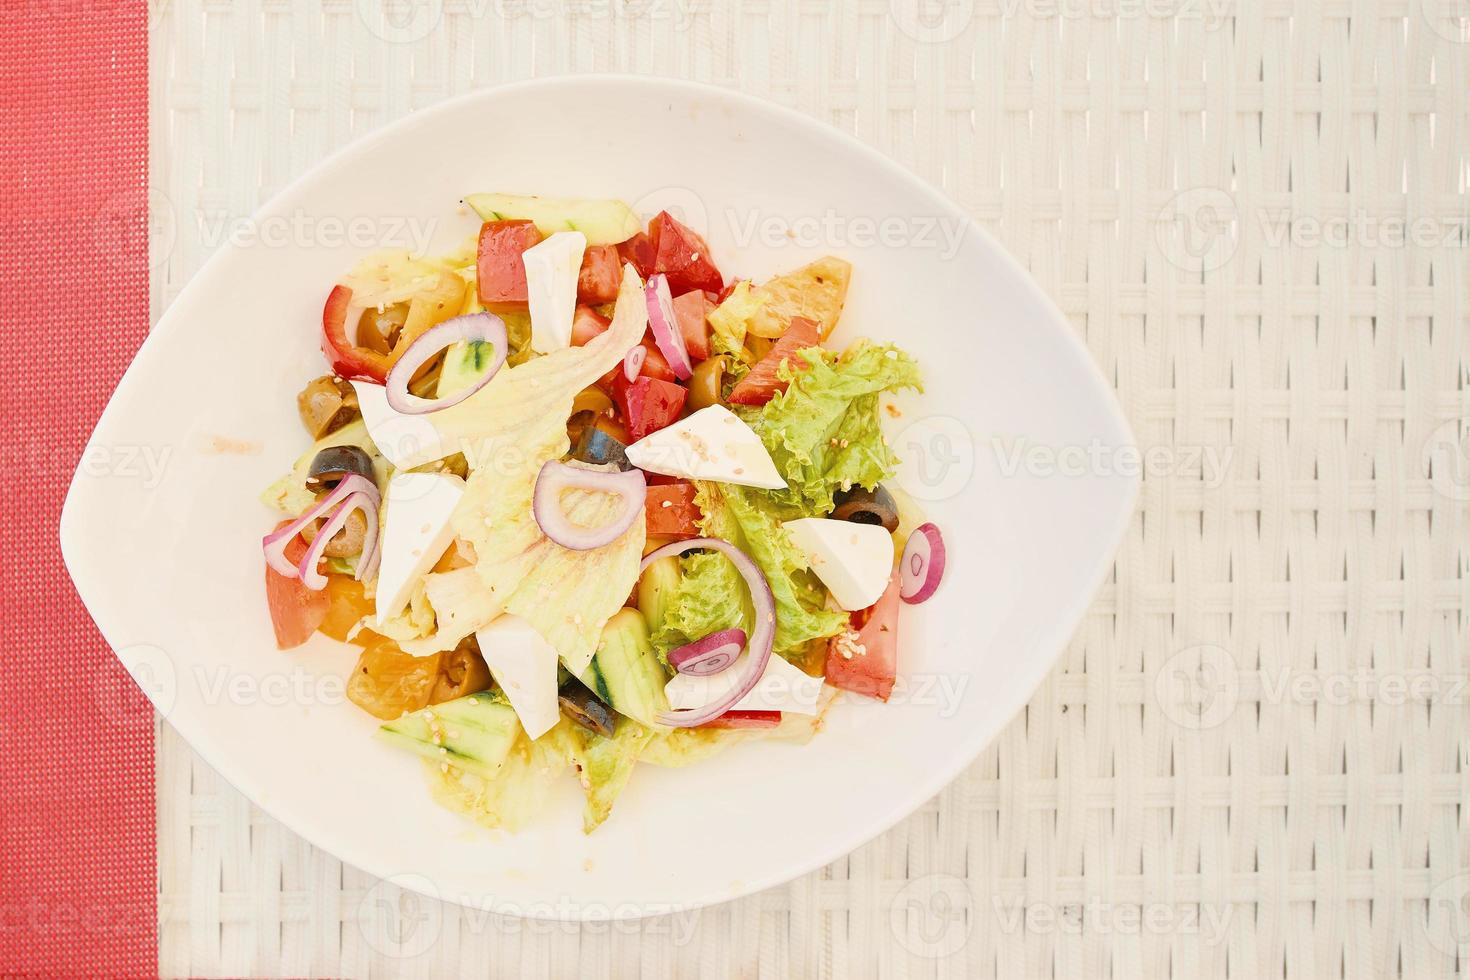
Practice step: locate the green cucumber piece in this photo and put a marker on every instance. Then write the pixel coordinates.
(656, 589)
(464, 364)
(603, 222)
(474, 733)
(629, 670)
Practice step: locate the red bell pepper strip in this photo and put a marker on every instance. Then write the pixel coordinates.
(744, 719)
(346, 358)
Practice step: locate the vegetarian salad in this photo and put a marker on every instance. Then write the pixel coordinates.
(580, 501)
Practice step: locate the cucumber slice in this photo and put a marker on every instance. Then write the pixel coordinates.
(473, 733)
(464, 364)
(603, 222)
(656, 589)
(628, 670)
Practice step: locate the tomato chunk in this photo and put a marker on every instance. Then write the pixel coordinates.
(682, 255)
(499, 267)
(872, 670)
(648, 404)
(655, 365)
(744, 719)
(296, 611)
(671, 510)
(586, 324)
(763, 381)
(690, 310)
(641, 251)
(600, 276)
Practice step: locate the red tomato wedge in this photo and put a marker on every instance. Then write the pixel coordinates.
(872, 671)
(600, 276)
(639, 250)
(744, 719)
(671, 510)
(762, 383)
(499, 267)
(647, 404)
(296, 611)
(682, 255)
(346, 358)
(586, 324)
(690, 310)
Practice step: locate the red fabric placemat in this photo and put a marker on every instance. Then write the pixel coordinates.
(78, 892)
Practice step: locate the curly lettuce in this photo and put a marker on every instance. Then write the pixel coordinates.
(712, 596)
(823, 432)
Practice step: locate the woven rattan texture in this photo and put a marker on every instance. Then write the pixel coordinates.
(1251, 759)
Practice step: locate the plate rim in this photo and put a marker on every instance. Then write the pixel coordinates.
(1050, 644)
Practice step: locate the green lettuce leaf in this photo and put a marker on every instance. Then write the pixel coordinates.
(605, 765)
(712, 596)
(823, 433)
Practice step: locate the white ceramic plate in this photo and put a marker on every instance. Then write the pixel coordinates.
(162, 526)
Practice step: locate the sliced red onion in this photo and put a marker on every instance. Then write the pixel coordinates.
(275, 543)
(633, 361)
(665, 326)
(761, 641)
(556, 477)
(474, 327)
(307, 570)
(710, 655)
(922, 565)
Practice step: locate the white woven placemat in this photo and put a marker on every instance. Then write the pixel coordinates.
(1252, 758)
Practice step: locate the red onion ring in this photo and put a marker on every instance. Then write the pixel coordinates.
(761, 641)
(482, 327)
(665, 326)
(922, 565)
(709, 655)
(556, 477)
(307, 570)
(274, 544)
(633, 361)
